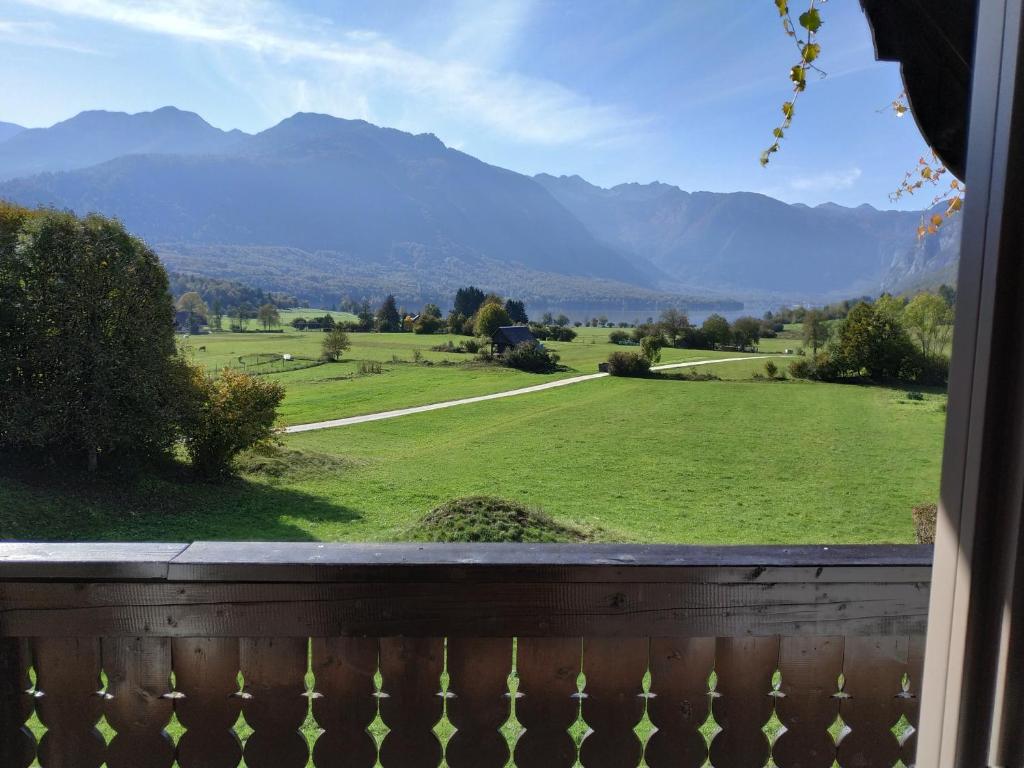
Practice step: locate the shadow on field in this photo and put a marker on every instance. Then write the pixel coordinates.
(52, 503)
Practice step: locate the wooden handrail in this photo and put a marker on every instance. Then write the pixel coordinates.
(270, 589)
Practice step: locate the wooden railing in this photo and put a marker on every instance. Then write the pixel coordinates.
(404, 655)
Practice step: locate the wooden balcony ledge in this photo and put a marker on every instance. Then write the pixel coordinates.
(314, 644)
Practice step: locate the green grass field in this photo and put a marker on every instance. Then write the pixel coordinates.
(657, 460)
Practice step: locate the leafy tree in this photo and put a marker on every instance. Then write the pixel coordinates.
(547, 319)
(431, 310)
(815, 330)
(224, 416)
(193, 303)
(88, 364)
(929, 319)
(456, 322)
(365, 315)
(428, 324)
(562, 321)
(490, 318)
(216, 314)
(335, 344)
(871, 341)
(468, 300)
(268, 315)
(746, 331)
(716, 330)
(516, 311)
(650, 348)
(673, 325)
(388, 319)
(948, 294)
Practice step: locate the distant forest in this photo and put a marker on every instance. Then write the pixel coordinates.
(225, 295)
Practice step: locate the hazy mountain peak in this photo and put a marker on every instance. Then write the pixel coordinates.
(7, 130)
(95, 136)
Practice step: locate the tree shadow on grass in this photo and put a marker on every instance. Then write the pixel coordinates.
(50, 503)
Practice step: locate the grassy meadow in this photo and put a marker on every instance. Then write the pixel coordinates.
(666, 459)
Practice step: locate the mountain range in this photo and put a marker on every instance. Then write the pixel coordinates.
(321, 206)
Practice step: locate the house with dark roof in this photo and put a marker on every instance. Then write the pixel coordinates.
(509, 336)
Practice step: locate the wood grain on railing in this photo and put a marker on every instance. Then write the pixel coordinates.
(804, 634)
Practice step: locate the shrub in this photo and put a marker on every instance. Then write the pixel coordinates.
(530, 356)
(930, 370)
(618, 337)
(802, 369)
(771, 369)
(368, 367)
(925, 519)
(650, 348)
(915, 396)
(417, 356)
(472, 346)
(334, 345)
(628, 364)
(225, 416)
(428, 324)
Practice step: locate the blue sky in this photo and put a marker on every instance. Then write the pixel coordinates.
(680, 91)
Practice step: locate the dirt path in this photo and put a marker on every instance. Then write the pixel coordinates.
(494, 396)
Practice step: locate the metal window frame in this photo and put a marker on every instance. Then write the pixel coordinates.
(972, 688)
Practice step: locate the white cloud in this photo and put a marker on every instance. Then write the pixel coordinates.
(827, 181)
(521, 108)
(39, 35)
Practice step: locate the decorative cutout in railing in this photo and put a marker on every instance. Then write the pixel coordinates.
(77, 652)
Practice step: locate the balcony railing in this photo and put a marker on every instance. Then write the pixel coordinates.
(542, 655)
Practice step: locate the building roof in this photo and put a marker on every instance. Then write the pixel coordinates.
(513, 334)
(934, 43)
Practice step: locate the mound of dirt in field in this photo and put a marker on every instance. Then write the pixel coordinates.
(486, 518)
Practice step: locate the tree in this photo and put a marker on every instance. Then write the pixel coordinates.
(562, 321)
(716, 330)
(216, 314)
(815, 330)
(650, 348)
(365, 315)
(746, 331)
(516, 311)
(268, 315)
(468, 300)
(431, 310)
(428, 324)
(88, 364)
(871, 341)
(334, 345)
(673, 325)
(225, 416)
(929, 319)
(193, 303)
(388, 319)
(948, 294)
(489, 319)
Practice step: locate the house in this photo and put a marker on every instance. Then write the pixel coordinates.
(509, 336)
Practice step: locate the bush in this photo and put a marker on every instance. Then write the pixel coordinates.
(802, 369)
(618, 337)
(530, 356)
(472, 346)
(628, 364)
(485, 518)
(931, 370)
(925, 520)
(224, 416)
(650, 348)
(428, 324)
(915, 396)
(368, 367)
(771, 369)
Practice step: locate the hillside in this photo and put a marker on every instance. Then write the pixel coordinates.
(316, 205)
